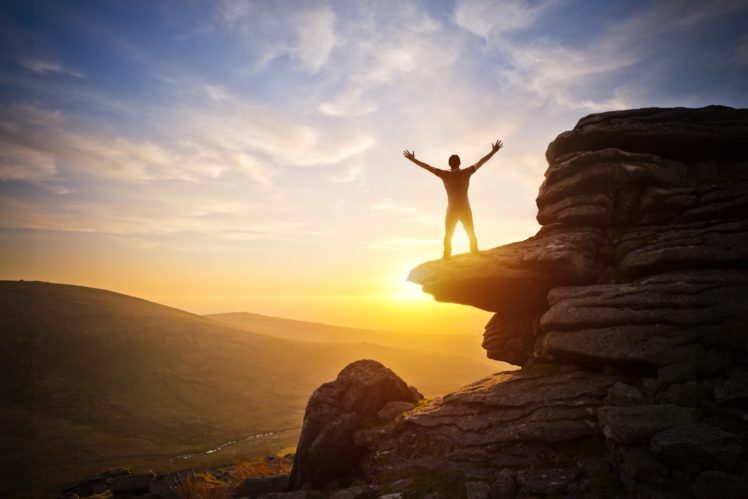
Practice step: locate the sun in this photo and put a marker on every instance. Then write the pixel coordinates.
(405, 290)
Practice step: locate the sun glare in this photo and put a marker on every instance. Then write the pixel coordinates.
(405, 290)
(411, 292)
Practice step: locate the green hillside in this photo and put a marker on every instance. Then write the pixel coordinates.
(98, 379)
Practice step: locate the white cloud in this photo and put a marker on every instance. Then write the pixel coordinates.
(216, 93)
(304, 32)
(486, 18)
(354, 173)
(380, 53)
(545, 71)
(44, 67)
(315, 37)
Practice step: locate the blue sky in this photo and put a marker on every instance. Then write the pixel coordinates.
(250, 151)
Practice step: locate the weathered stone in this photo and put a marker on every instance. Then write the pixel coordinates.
(355, 493)
(692, 246)
(658, 320)
(712, 132)
(600, 180)
(477, 490)
(643, 345)
(511, 338)
(393, 409)
(719, 484)
(635, 425)
(734, 388)
(638, 465)
(699, 445)
(516, 277)
(296, 494)
(336, 410)
(132, 484)
(545, 481)
(677, 299)
(676, 373)
(504, 485)
(256, 486)
(621, 394)
(685, 394)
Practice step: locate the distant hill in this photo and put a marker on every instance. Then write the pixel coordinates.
(94, 379)
(467, 345)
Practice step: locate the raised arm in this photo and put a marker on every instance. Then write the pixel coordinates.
(412, 156)
(494, 149)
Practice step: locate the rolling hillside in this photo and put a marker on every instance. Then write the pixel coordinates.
(98, 379)
(464, 344)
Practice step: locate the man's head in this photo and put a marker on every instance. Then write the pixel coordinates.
(454, 161)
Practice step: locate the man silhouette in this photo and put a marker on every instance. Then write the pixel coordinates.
(456, 182)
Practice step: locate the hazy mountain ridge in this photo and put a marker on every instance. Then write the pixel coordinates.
(456, 344)
(102, 379)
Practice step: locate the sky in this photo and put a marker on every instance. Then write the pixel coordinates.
(244, 155)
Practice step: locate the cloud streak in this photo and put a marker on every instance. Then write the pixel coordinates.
(46, 67)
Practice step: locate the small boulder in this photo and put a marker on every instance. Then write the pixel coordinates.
(719, 484)
(336, 410)
(676, 373)
(504, 486)
(635, 425)
(698, 445)
(621, 394)
(545, 481)
(734, 388)
(477, 490)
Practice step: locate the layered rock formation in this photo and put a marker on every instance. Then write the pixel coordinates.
(643, 238)
(627, 312)
(363, 392)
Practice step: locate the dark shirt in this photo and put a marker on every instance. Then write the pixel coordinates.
(456, 182)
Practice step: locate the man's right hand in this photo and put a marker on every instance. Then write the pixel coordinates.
(496, 146)
(410, 155)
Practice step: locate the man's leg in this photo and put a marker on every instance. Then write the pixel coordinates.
(467, 223)
(450, 222)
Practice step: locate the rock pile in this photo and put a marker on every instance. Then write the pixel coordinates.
(627, 312)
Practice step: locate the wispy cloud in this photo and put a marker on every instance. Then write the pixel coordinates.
(46, 66)
(304, 32)
(568, 74)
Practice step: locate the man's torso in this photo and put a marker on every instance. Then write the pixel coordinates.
(456, 182)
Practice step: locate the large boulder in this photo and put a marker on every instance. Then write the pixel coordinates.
(336, 410)
(712, 132)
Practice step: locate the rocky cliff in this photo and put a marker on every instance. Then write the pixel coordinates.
(627, 312)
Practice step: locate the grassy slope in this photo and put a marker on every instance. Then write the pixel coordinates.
(98, 379)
